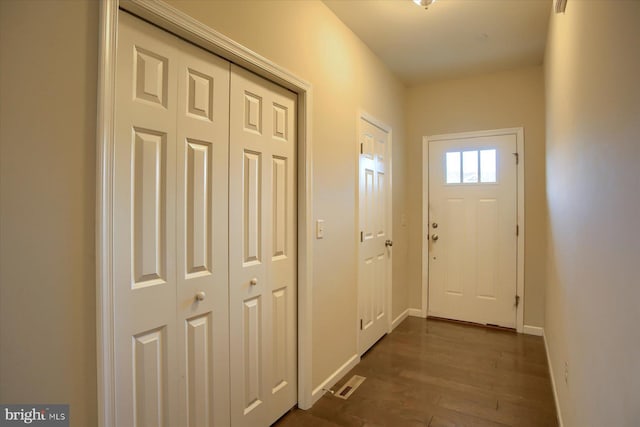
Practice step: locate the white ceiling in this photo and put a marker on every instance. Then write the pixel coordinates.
(452, 38)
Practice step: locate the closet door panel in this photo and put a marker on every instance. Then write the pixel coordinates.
(262, 249)
(202, 237)
(171, 231)
(144, 226)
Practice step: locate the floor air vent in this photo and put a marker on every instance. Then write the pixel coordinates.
(349, 387)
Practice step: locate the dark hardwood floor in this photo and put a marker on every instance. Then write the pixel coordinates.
(439, 373)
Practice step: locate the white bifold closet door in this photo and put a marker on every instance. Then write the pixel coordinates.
(174, 245)
(262, 249)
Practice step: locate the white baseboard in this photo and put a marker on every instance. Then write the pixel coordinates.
(416, 312)
(319, 391)
(553, 380)
(533, 330)
(399, 319)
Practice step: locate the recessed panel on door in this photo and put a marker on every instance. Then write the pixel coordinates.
(252, 341)
(150, 378)
(199, 215)
(200, 377)
(149, 171)
(252, 207)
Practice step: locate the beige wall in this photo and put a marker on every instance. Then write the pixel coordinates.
(48, 64)
(489, 101)
(309, 40)
(47, 181)
(592, 70)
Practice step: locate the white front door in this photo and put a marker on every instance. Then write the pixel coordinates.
(262, 250)
(170, 231)
(472, 229)
(374, 263)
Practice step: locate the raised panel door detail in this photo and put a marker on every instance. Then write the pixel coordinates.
(200, 95)
(149, 159)
(379, 289)
(455, 244)
(369, 274)
(380, 148)
(199, 371)
(381, 214)
(280, 122)
(279, 334)
(367, 149)
(252, 337)
(369, 204)
(150, 76)
(252, 207)
(199, 217)
(253, 113)
(150, 387)
(487, 248)
(279, 204)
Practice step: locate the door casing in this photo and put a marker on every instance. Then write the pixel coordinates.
(519, 134)
(177, 22)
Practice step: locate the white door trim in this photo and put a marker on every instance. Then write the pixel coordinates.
(519, 134)
(362, 115)
(177, 22)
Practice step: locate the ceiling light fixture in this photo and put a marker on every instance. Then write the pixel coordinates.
(424, 3)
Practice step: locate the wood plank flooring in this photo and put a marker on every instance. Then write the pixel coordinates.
(437, 373)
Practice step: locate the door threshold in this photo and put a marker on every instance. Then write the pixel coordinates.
(480, 325)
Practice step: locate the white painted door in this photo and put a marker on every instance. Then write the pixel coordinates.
(262, 250)
(374, 263)
(472, 229)
(170, 231)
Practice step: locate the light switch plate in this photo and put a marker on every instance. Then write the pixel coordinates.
(320, 229)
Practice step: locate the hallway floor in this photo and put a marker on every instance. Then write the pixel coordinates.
(437, 373)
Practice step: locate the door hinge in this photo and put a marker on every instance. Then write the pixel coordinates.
(517, 300)
(517, 230)
(360, 324)
(361, 148)
(361, 236)
(517, 157)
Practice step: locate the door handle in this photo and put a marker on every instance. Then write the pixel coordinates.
(434, 237)
(388, 243)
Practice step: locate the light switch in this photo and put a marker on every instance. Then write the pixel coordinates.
(320, 229)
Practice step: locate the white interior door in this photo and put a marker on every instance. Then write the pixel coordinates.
(170, 231)
(262, 250)
(472, 229)
(374, 263)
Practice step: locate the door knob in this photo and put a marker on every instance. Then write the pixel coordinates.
(253, 281)
(388, 243)
(434, 237)
(434, 225)
(200, 296)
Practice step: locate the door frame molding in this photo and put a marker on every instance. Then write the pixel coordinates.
(363, 115)
(183, 25)
(520, 220)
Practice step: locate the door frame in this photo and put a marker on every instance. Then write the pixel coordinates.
(183, 25)
(518, 132)
(362, 115)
